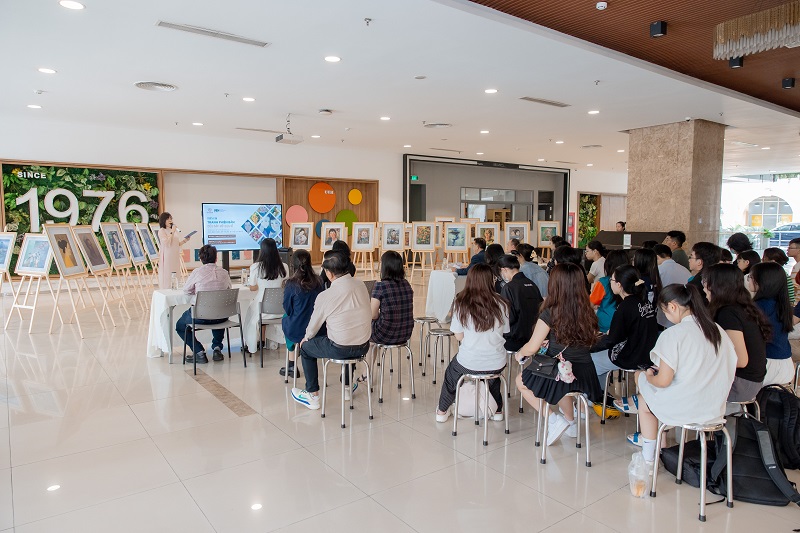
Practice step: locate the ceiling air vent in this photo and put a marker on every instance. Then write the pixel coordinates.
(260, 130)
(592, 146)
(436, 125)
(543, 101)
(566, 162)
(212, 33)
(156, 86)
(445, 150)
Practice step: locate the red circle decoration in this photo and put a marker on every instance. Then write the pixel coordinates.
(321, 197)
(296, 213)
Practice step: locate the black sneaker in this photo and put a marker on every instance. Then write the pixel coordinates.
(201, 359)
(292, 368)
(217, 355)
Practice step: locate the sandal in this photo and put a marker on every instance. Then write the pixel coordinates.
(626, 406)
(635, 439)
(361, 379)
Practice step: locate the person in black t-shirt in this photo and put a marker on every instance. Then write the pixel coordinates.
(524, 300)
(745, 324)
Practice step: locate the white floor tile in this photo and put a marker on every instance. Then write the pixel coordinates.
(369, 516)
(181, 412)
(141, 389)
(6, 502)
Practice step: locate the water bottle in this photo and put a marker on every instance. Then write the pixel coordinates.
(445, 265)
(174, 281)
(245, 276)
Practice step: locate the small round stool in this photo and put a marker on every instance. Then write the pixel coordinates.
(478, 379)
(388, 347)
(424, 322)
(743, 408)
(345, 367)
(439, 335)
(702, 430)
(582, 402)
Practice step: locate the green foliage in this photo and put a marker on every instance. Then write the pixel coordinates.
(587, 218)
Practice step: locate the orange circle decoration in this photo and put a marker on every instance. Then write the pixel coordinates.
(355, 196)
(296, 213)
(321, 197)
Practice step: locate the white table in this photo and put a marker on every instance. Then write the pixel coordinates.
(443, 285)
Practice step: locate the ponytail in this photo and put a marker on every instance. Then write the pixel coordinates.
(631, 283)
(689, 296)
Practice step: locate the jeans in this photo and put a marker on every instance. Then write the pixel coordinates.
(189, 337)
(324, 348)
(603, 365)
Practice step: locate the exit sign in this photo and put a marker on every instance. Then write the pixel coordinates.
(414, 178)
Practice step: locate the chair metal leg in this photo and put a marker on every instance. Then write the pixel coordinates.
(411, 370)
(679, 474)
(545, 406)
(286, 366)
(538, 440)
(435, 356)
(424, 357)
(505, 414)
(260, 329)
(578, 407)
(296, 362)
(659, 436)
(383, 359)
(351, 395)
(324, 384)
(350, 383)
(369, 389)
(477, 396)
(194, 347)
(585, 403)
(605, 395)
(703, 461)
(729, 457)
(399, 369)
(455, 405)
(228, 338)
(241, 338)
(521, 408)
(485, 411)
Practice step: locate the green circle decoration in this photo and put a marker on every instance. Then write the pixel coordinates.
(348, 217)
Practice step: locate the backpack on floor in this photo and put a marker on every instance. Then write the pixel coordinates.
(780, 411)
(466, 401)
(758, 476)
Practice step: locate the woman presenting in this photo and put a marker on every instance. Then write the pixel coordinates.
(168, 255)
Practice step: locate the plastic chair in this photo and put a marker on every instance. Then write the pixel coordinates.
(271, 313)
(389, 347)
(582, 402)
(216, 305)
(346, 366)
(439, 334)
(702, 430)
(478, 379)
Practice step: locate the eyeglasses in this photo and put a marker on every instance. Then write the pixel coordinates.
(614, 281)
(692, 256)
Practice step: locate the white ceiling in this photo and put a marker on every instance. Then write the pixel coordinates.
(100, 52)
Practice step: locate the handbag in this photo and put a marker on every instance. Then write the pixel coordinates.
(544, 366)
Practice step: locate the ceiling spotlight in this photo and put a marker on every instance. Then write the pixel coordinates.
(197, 123)
(620, 151)
(589, 164)
(540, 160)
(255, 506)
(406, 146)
(490, 91)
(386, 118)
(34, 106)
(47, 70)
(51, 488)
(736, 62)
(333, 59)
(69, 4)
(559, 142)
(594, 112)
(601, 6)
(325, 112)
(787, 83)
(658, 28)
(420, 77)
(248, 99)
(484, 131)
(315, 136)
(765, 148)
(478, 153)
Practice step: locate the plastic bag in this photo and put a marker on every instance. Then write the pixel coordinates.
(638, 475)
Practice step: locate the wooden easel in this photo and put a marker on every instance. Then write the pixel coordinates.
(364, 262)
(109, 296)
(18, 306)
(126, 285)
(184, 270)
(80, 287)
(141, 274)
(422, 255)
(6, 276)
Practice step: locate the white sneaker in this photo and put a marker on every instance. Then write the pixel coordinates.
(572, 430)
(347, 391)
(556, 428)
(575, 413)
(497, 417)
(443, 417)
(305, 398)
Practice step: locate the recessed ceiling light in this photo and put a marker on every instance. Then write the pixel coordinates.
(51, 488)
(765, 147)
(594, 112)
(420, 77)
(315, 136)
(589, 164)
(70, 4)
(386, 118)
(255, 506)
(34, 106)
(248, 99)
(484, 131)
(197, 123)
(333, 59)
(490, 91)
(540, 160)
(44, 70)
(478, 153)
(406, 146)
(620, 151)
(559, 142)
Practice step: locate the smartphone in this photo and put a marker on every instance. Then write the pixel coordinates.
(189, 234)
(524, 360)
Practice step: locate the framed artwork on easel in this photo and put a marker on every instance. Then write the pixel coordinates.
(133, 242)
(518, 230)
(546, 230)
(332, 232)
(7, 241)
(112, 234)
(35, 255)
(422, 236)
(90, 246)
(147, 240)
(301, 235)
(154, 227)
(456, 237)
(489, 231)
(392, 236)
(363, 237)
(65, 250)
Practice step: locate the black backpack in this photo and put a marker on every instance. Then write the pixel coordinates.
(758, 476)
(780, 411)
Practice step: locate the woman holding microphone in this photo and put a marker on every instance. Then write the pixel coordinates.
(169, 261)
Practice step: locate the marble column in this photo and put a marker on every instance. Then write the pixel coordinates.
(675, 179)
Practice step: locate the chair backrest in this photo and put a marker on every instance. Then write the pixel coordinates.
(216, 305)
(370, 284)
(272, 301)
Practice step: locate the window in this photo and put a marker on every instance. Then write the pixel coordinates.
(769, 212)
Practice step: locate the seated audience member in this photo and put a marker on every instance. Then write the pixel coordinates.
(392, 304)
(645, 261)
(512, 245)
(478, 256)
(480, 319)
(569, 325)
(738, 243)
(675, 240)
(776, 255)
(602, 296)
(524, 301)
(556, 241)
(493, 253)
(208, 277)
(266, 273)
(596, 253)
(768, 283)
(668, 270)
(341, 247)
(745, 261)
(300, 291)
(568, 254)
(345, 309)
(704, 255)
(725, 256)
(746, 326)
(692, 370)
(621, 225)
(531, 269)
(649, 245)
(793, 251)
(633, 330)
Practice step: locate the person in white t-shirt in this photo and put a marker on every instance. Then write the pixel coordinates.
(480, 318)
(596, 252)
(266, 273)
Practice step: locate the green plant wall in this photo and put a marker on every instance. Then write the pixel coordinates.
(587, 218)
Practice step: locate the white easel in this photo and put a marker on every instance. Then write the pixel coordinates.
(80, 287)
(18, 306)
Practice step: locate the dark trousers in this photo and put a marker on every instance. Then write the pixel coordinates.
(189, 337)
(453, 373)
(324, 348)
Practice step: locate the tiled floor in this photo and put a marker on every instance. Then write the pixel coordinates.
(135, 444)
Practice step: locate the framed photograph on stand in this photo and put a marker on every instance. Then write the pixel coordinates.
(471, 222)
(489, 231)
(392, 235)
(35, 255)
(147, 240)
(65, 250)
(154, 227)
(112, 234)
(423, 236)
(7, 241)
(133, 242)
(90, 246)
(546, 230)
(518, 230)
(332, 232)
(456, 237)
(301, 235)
(363, 237)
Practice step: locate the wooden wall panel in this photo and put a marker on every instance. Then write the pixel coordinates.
(295, 192)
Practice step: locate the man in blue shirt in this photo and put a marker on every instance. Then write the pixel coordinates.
(478, 256)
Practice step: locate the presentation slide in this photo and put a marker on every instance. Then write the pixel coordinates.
(241, 226)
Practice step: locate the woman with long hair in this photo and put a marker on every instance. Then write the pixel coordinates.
(746, 326)
(169, 243)
(480, 318)
(602, 296)
(646, 263)
(768, 282)
(300, 291)
(693, 365)
(493, 253)
(568, 323)
(268, 272)
(776, 255)
(596, 253)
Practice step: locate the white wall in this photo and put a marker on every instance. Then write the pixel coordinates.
(584, 180)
